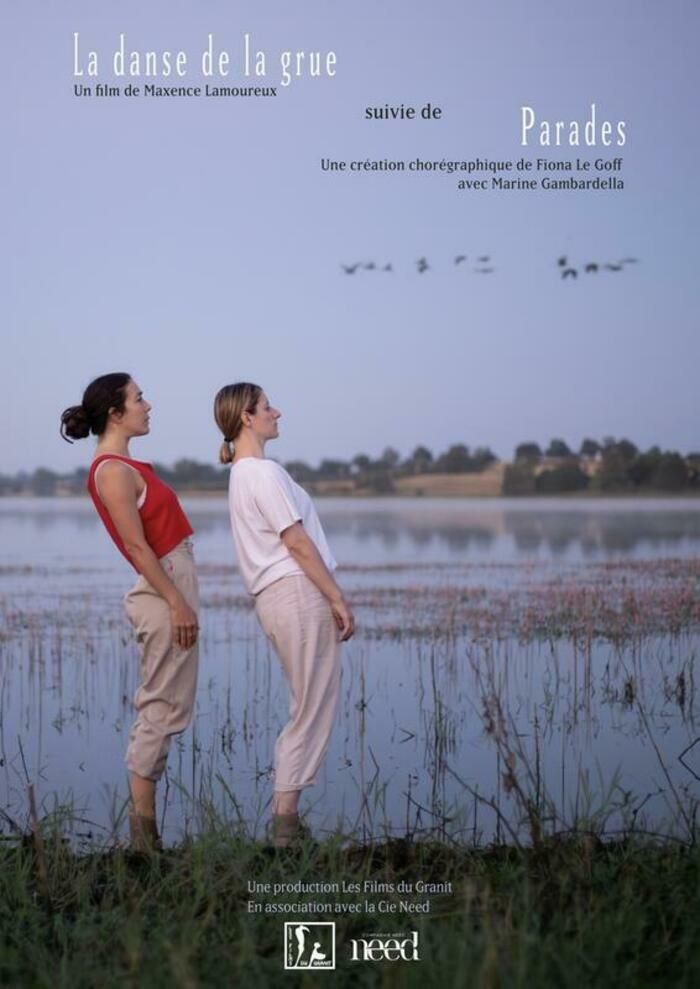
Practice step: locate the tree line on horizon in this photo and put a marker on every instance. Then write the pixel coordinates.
(610, 465)
(613, 465)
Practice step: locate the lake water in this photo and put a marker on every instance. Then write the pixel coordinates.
(506, 650)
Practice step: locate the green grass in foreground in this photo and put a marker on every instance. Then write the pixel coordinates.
(572, 913)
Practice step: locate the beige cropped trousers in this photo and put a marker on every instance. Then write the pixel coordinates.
(164, 701)
(298, 621)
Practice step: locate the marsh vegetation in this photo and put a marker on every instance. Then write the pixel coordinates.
(518, 716)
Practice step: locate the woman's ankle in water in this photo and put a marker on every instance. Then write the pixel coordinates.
(285, 801)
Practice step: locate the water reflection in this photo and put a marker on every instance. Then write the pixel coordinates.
(376, 530)
(418, 732)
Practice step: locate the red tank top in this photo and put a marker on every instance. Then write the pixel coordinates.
(164, 522)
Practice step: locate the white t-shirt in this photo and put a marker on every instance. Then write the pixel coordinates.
(263, 501)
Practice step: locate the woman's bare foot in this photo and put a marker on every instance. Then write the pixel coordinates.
(143, 833)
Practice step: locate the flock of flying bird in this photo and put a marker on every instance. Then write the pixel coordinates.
(563, 265)
(592, 267)
(421, 265)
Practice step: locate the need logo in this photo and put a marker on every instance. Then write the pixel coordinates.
(390, 949)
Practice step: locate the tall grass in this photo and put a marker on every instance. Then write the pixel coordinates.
(569, 910)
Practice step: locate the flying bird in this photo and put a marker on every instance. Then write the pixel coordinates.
(422, 265)
(562, 261)
(350, 269)
(591, 266)
(370, 266)
(483, 271)
(388, 267)
(614, 267)
(569, 271)
(484, 259)
(460, 258)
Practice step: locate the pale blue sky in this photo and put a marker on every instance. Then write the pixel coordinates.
(197, 242)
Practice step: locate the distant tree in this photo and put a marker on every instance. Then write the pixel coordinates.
(190, 473)
(627, 450)
(456, 460)
(185, 469)
(164, 473)
(44, 482)
(360, 462)
(300, 471)
(568, 477)
(390, 458)
(420, 461)
(23, 482)
(671, 473)
(693, 464)
(557, 448)
(643, 467)
(612, 475)
(482, 457)
(589, 448)
(333, 470)
(528, 451)
(9, 485)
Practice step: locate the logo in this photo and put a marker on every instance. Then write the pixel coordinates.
(382, 948)
(309, 945)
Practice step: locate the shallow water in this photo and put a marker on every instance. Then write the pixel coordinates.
(391, 530)
(564, 632)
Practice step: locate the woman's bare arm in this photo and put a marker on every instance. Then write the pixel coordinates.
(304, 552)
(119, 495)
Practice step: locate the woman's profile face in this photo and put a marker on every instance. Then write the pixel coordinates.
(134, 419)
(264, 419)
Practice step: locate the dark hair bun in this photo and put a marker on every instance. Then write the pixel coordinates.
(103, 395)
(75, 423)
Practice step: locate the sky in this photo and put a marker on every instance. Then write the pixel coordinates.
(197, 242)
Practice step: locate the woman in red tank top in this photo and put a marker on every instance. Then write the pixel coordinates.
(147, 524)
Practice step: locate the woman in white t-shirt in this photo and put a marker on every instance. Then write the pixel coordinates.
(286, 564)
